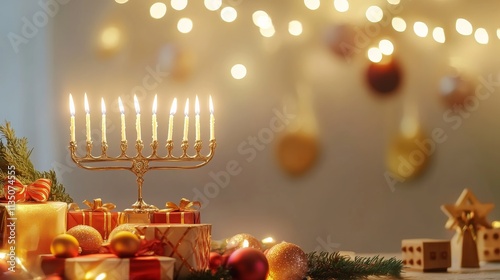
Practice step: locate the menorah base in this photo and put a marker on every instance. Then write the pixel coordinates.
(141, 212)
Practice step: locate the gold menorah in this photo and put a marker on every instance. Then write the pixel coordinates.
(139, 164)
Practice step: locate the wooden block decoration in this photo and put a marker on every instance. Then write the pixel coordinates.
(427, 255)
(488, 244)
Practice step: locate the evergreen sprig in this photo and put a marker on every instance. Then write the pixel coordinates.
(16, 152)
(330, 266)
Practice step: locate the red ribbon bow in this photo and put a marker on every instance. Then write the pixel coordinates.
(36, 191)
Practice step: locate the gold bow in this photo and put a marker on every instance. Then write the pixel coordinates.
(184, 206)
(467, 222)
(97, 205)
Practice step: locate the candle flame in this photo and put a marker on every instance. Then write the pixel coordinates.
(211, 105)
(173, 109)
(103, 107)
(245, 244)
(120, 105)
(86, 104)
(71, 105)
(197, 106)
(186, 109)
(268, 240)
(136, 105)
(155, 104)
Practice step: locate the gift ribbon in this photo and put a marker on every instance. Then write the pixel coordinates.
(97, 205)
(39, 190)
(184, 206)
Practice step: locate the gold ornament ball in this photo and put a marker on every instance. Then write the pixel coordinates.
(125, 244)
(89, 238)
(123, 227)
(287, 261)
(64, 246)
(237, 241)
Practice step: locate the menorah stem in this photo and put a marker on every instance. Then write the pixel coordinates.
(140, 200)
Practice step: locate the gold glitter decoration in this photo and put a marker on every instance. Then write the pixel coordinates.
(287, 261)
(89, 238)
(125, 244)
(236, 242)
(123, 227)
(64, 246)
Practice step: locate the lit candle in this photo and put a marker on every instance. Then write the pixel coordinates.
(186, 121)
(103, 120)
(72, 121)
(138, 118)
(197, 117)
(212, 119)
(87, 118)
(173, 110)
(122, 113)
(155, 124)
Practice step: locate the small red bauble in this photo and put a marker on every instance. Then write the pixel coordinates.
(215, 261)
(385, 77)
(248, 264)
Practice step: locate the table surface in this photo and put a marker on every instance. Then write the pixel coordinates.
(490, 270)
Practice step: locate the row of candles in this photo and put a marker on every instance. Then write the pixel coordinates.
(173, 110)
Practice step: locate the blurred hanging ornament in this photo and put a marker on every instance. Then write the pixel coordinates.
(384, 77)
(340, 39)
(125, 244)
(110, 41)
(297, 149)
(215, 261)
(455, 89)
(248, 264)
(179, 62)
(239, 240)
(65, 246)
(123, 227)
(287, 261)
(89, 238)
(410, 150)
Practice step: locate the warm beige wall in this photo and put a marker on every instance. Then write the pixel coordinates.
(345, 200)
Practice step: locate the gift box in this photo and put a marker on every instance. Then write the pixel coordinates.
(184, 213)
(188, 244)
(108, 266)
(30, 227)
(98, 216)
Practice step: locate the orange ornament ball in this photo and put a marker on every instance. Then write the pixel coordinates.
(125, 244)
(287, 261)
(65, 246)
(89, 238)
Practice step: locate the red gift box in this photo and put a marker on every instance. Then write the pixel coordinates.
(181, 214)
(97, 216)
(91, 266)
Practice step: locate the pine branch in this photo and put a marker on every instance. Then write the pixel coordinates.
(221, 274)
(326, 266)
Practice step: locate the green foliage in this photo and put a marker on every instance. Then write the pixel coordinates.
(16, 153)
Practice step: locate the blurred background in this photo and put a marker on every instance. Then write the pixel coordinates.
(340, 125)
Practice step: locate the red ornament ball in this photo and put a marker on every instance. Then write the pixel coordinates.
(248, 264)
(215, 261)
(384, 77)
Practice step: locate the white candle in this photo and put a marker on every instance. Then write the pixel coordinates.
(122, 113)
(173, 110)
(197, 117)
(103, 120)
(87, 118)
(138, 118)
(212, 119)
(186, 121)
(155, 124)
(72, 121)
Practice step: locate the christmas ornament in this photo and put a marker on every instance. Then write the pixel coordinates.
(125, 244)
(340, 39)
(248, 264)
(466, 216)
(384, 77)
(88, 237)
(455, 90)
(407, 155)
(297, 152)
(215, 261)
(287, 261)
(238, 240)
(123, 227)
(65, 246)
